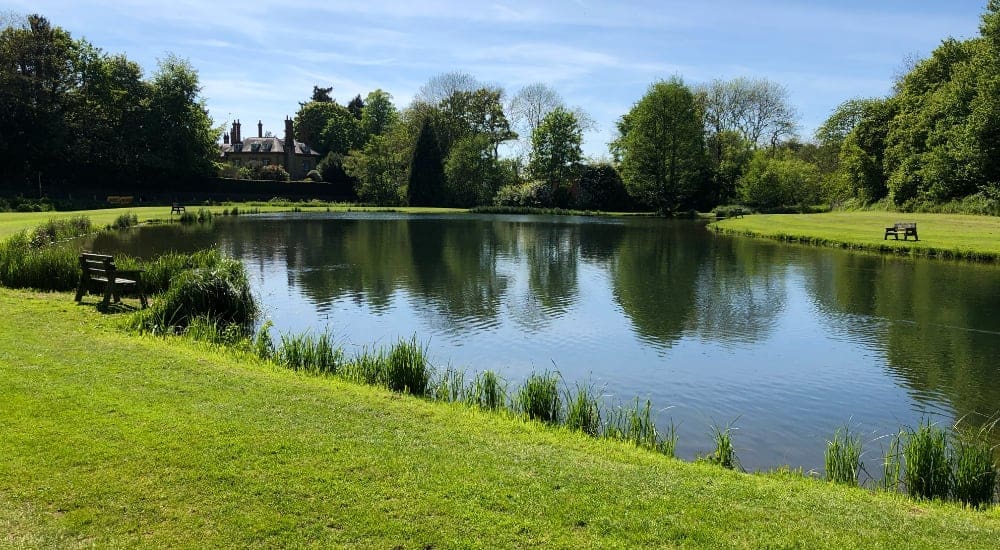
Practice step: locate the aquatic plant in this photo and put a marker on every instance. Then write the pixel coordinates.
(487, 391)
(538, 398)
(927, 472)
(843, 457)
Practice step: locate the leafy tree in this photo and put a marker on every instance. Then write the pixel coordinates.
(426, 183)
(379, 114)
(311, 120)
(472, 171)
(862, 153)
(479, 112)
(342, 132)
(356, 106)
(663, 147)
(322, 95)
(556, 149)
(380, 170)
(601, 188)
(180, 134)
(779, 180)
(729, 155)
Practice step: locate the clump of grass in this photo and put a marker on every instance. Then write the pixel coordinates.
(725, 452)
(583, 412)
(488, 391)
(263, 346)
(843, 457)
(448, 386)
(635, 425)
(209, 330)
(41, 258)
(974, 470)
(160, 271)
(125, 221)
(221, 294)
(203, 215)
(403, 368)
(316, 355)
(538, 398)
(892, 466)
(927, 473)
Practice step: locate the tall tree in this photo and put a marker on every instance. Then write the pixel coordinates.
(380, 170)
(322, 95)
(757, 108)
(530, 105)
(442, 86)
(479, 112)
(356, 106)
(427, 179)
(663, 147)
(311, 119)
(473, 173)
(556, 148)
(379, 114)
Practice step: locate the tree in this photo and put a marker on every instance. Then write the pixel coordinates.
(356, 106)
(663, 147)
(427, 179)
(179, 132)
(473, 175)
(757, 108)
(479, 112)
(530, 105)
(322, 95)
(779, 180)
(556, 149)
(380, 170)
(601, 188)
(310, 121)
(862, 153)
(442, 86)
(342, 132)
(379, 114)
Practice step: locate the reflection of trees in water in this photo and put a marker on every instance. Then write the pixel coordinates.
(935, 321)
(740, 291)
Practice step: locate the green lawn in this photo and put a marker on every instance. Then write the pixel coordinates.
(949, 235)
(110, 439)
(12, 222)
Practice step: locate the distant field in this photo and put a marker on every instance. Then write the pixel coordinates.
(946, 235)
(12, 222)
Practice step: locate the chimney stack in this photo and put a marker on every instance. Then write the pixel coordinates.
(225, 139)
(260, 129)
(239, 132)
(289, 146)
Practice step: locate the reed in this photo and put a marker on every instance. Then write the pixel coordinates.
(725, 452)
(263, 345)
(303, 352)
(447, 385)
(538, 398)
(407, 369)
(843, 457)
(974, 469)
(366, 367)
(44, 258)
(892, 464)
(583, 411)
(488, 391)
(124, 221)
(927, 473)
(221, 293)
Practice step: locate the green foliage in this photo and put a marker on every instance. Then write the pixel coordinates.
(600, 187)
(427, 178)
(772, 181)
(635, 425)
(447, 385)
(583, 412)
(314, 176)
(379, 115)
(488, 391)
(662, 147)
(272, 172)
(220, 294)
(556, 149)
(928, 472)
(974, 467)
(843, 457)
(41, 258)
(312, 120)
(725, 453)
(303, 352)
(403, 368)
(538, 398)
(530, 194)
(473, 174)
(380, 171)
(341, 132)
(125, 221)
(892, 464)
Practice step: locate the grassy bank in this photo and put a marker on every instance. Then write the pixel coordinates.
(117, 440)
(941, 235)
(12, 222)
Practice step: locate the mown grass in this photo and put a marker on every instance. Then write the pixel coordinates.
(941, 235)
(117, 440)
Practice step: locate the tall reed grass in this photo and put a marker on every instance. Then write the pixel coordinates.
(447, 385)
(583, 410)
(892, 464)
(304, 352)
(843, 457)
(488, 391)
(44, 258)
(538, 398)
(725, 452)
(402, 368)
(928, 473)
(973, 464)
(635, 425)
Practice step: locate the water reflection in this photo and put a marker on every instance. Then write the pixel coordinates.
(793, 340)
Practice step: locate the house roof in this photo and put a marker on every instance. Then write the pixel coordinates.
(265, 145)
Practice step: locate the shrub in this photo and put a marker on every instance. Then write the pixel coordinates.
(220, 293)
(273, 172)
(314, 175)
(535, 194)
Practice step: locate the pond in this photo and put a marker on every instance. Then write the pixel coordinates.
(786, 342)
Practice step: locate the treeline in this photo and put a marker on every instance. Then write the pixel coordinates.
(73, 114)
(77, 114)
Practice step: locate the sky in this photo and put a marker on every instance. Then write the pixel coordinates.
(258, 60)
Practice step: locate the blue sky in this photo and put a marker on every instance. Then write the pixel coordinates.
(257, 60)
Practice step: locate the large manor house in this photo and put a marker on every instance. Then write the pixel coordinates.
(296, 157)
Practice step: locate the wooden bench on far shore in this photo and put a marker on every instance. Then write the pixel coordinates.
(901, 228)
(176, 208)
(116, 199)
(98, 273)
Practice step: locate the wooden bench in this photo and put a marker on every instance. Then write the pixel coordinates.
(902, 228)
(99, 274)
(176, 208)
(114, 199)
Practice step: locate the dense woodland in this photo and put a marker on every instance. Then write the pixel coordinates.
(75, 115)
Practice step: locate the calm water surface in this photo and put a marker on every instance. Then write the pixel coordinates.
(787, 342)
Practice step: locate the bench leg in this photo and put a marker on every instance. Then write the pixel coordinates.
(80, 289)
(108, 291)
